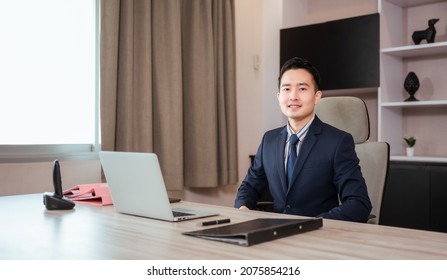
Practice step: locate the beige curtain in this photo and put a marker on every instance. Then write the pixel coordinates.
(168, 86)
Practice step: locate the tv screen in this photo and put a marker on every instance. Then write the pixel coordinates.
(346, 51)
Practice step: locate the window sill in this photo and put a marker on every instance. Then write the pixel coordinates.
(43, 153)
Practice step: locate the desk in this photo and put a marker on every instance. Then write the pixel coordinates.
(29, 231)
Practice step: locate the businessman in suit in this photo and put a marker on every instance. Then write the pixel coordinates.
(310, 167)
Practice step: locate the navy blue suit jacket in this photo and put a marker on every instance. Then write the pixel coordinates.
(327, 180)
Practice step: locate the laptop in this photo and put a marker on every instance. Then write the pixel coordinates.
(137, 187)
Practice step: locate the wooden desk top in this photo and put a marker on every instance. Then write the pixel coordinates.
(29, 231)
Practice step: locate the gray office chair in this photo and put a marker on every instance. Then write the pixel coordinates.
(351, 114)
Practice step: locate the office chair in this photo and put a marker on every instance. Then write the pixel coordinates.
(351, 114)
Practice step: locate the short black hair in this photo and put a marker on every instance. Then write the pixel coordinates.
(300, 63)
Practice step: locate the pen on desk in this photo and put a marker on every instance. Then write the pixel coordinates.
(216, 222)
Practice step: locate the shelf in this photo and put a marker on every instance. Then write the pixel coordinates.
(417, 50)
(436, 103)
(419, 159)
(412, 3)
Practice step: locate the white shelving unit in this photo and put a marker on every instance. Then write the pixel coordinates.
(426, 119)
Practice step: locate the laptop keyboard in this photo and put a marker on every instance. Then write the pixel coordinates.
(181, 214)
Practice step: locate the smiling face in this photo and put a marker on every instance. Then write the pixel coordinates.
(297, 97)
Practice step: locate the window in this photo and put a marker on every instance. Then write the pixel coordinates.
(49, 76)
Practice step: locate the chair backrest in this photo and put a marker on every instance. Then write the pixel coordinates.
(346, 113)
(351, 115)
(374, 161)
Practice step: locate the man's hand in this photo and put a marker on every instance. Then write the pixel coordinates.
(243, 207)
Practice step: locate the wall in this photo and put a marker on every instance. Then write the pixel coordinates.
(35, 177)
(306, 12)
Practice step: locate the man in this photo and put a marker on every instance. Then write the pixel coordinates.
(326, 180)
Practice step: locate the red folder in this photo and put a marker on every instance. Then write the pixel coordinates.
(92, 193)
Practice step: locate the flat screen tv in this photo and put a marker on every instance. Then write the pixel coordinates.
(346, 51)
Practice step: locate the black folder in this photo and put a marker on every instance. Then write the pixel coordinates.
(258, 230)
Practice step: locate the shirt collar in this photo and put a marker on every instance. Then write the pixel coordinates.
(302, 132)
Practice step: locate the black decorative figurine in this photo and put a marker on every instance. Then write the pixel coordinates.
(427, 34)
(411, 85)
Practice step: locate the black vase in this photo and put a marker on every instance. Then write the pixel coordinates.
(411, 85)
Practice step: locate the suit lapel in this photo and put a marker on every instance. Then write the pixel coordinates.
(280, 146)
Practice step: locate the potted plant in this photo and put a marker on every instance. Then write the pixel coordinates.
(411, 141)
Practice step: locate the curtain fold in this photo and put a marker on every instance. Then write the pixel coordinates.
(225, 56)
(126, 92)
(201, 137)
(168, 90)
(168, 86)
